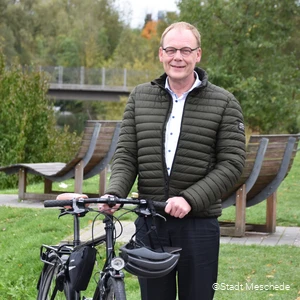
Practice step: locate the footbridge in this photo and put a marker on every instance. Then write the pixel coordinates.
(92, 84)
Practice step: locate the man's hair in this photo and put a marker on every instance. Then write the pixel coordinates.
(182, 25)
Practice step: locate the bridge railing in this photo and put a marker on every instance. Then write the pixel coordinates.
(103, 77)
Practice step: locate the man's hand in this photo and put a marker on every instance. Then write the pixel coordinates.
(70, 196)
(105, 208)
(177, 207)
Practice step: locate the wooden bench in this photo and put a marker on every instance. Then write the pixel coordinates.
(96, 150)
(269, 158)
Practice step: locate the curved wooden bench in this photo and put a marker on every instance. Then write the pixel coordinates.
(277, 162)
(254, 159)
(96, 150)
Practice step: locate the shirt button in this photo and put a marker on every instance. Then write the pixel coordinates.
(169, 150)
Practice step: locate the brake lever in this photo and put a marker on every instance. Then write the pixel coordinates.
(63, 212)
(147, 212)
(79, 210)
(161, 216)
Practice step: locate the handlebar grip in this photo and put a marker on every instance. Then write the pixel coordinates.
(159, 205)
(57, 203)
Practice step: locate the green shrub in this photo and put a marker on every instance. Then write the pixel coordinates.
(28, 131)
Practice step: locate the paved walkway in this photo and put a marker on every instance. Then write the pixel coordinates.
(282, 236)
(12, 200)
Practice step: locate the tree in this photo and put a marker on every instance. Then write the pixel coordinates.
(149, 29)
(66, 32)
(248, 49)
(28, 124)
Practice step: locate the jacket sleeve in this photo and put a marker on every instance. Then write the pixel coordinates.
(230, 160)
(124, 165)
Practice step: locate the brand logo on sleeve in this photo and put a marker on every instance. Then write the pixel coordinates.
(241, 126)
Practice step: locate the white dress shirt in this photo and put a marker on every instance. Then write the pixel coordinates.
(174, 123)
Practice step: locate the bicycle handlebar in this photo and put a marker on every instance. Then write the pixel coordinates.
(110, 201)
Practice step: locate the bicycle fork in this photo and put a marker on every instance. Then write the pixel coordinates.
(113, 265)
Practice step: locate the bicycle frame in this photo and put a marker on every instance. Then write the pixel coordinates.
(63, 252)
(111, 279)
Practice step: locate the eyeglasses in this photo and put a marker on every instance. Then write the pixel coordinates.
(185, 51)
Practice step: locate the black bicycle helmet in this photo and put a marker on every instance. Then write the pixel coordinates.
(143, 262)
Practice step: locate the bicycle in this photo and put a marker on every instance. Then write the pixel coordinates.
(55, 281)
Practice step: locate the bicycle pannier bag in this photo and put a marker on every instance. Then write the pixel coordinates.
(81, 264)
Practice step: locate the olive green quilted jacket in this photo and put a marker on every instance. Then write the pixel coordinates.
(210, 153)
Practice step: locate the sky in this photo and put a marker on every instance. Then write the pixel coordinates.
(136, 10)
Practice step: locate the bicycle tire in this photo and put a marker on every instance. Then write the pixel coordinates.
(115, 290)
(47, 286)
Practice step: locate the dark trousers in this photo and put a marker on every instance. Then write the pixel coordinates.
(197, 268)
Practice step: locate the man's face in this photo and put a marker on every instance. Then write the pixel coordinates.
(180, 67)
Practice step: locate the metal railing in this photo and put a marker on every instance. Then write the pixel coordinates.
(101, 77)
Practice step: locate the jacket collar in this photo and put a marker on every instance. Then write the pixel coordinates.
(161, 81)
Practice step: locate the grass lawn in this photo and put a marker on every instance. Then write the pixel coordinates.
(245, 272)
(249, 267)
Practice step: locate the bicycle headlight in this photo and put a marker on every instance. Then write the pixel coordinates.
(117, 263)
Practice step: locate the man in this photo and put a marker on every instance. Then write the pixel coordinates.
(184, 139)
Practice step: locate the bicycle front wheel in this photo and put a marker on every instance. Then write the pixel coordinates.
(52, 283)
(115, 290)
